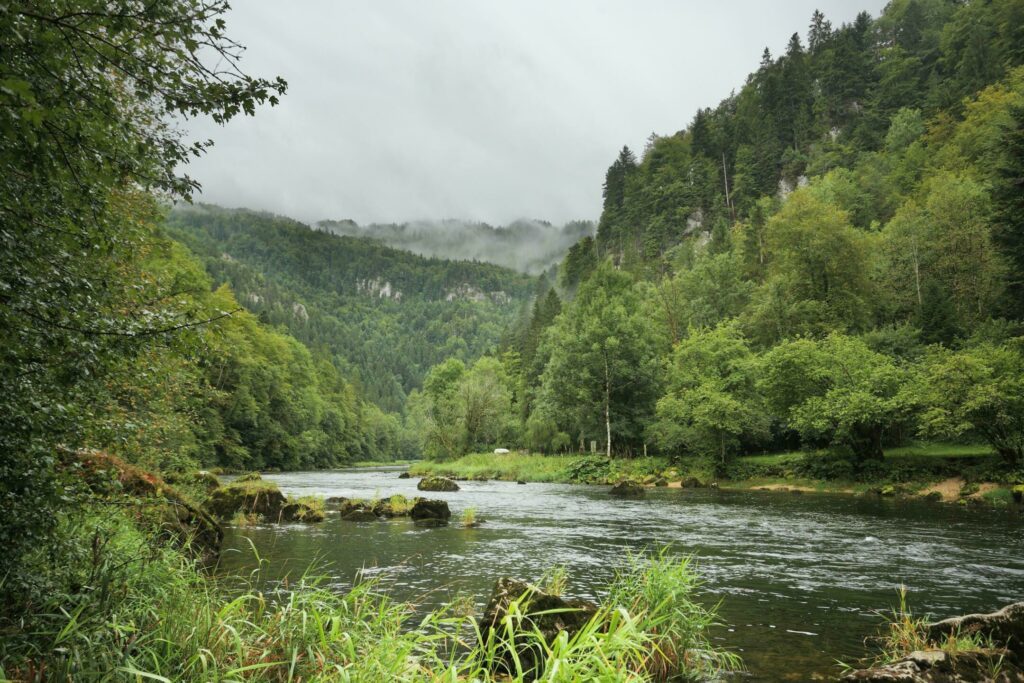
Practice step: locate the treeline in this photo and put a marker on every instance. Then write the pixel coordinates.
(832, 258)
(524, 245)
(381, 316)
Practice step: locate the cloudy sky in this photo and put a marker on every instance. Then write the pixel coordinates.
(474, 109)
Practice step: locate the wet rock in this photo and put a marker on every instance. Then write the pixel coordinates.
(395, 506)
(300, 511)
(359, 514)
(661, 481)
(425, 512)
(437, 484)
(521, 482)
(404, 475)
(335, 502)
(627, 489)
(548, 614)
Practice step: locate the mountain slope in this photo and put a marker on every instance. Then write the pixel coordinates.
(381, 315)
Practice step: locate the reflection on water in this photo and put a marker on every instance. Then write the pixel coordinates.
(800, 577)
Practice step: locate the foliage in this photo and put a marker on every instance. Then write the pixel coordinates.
(381, 316)
(711, 402)
(122, 605)
(977, 390)
(601, 377)
(88, 93)
(835, 392)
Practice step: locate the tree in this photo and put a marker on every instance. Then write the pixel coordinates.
(979, 390)
(836, 391)
(711, 403)
(485, 403)
(819, 257)
(600, 376)
(87, 93)
(1008, 198)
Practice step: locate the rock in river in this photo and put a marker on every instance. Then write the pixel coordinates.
(549, 614)
(404, 475)
(627, 488)
(437, 484)
(430, 512)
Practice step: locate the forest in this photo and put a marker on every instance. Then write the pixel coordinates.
(829, 262)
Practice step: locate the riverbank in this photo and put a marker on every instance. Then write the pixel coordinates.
(951, 473)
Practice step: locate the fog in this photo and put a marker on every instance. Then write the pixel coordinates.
(528, 246)
(481, 111)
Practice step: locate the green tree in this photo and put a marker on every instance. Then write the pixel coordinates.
(711, 403)
(600, 376)
(87, 91)
(836, 391)
(979, 390)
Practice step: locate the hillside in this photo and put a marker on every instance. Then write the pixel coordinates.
(830, 260)
(526, 246)
(383, 315)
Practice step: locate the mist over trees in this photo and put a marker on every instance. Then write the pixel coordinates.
(528, 246)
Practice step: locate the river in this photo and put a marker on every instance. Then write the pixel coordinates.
(801, 578)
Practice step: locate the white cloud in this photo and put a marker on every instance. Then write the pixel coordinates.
(406, 109)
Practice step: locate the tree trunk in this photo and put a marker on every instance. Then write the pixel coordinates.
(607, 408)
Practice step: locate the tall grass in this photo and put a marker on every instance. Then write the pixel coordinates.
(132, 611)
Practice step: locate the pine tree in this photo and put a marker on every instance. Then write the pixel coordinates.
(1008, 197)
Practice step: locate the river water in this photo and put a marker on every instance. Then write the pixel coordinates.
(801, 578)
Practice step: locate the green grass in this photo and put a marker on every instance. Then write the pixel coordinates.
(539, 468)
(941, 450)
(380, 463)
(147, 614)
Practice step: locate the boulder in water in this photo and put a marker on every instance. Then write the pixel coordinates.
(251, 497)
(404, 475)
(548, 614)
(359, 514)
(302, 511)
(627, 489)
(394, 506)
(437, 484)
(427, 512)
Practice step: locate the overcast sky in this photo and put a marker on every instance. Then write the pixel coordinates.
(481, 110)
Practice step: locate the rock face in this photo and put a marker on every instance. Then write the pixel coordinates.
(549, 614)
(437, 484)
(1003, 629)
(627, 489)
(430, 512)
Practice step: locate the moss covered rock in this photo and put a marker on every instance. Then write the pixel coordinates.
(251, 497)
(430, 512)
(437, 484)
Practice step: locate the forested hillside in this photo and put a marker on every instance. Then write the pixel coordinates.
(831, 258)
(527, 246)
(382, 316)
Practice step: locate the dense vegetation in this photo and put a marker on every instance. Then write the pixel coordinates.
(830, 259)
(382, 317)
(527, 246)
